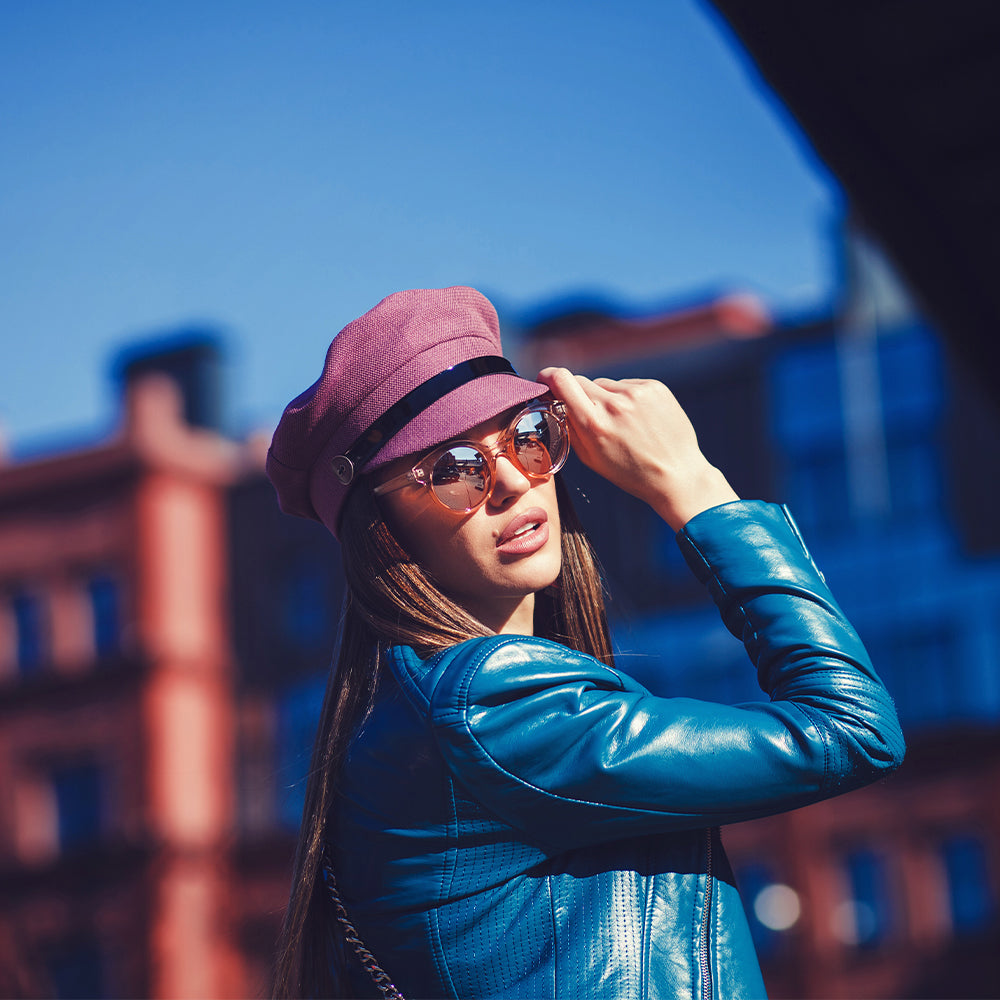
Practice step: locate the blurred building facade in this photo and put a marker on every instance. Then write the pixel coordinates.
(122, 737)
(887, 453)
(165, 633)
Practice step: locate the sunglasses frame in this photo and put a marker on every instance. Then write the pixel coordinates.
(421, 473)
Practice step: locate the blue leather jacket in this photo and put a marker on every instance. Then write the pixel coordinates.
(519, 820)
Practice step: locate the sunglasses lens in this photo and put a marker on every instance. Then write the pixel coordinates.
(460, 477)
(540, 442)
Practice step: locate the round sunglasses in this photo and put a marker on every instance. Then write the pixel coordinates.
(461, 474)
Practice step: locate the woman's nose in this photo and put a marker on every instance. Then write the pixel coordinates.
(509, 484)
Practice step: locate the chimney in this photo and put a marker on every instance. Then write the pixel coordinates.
(191, 358)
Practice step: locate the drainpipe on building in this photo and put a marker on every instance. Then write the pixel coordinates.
(860, 389)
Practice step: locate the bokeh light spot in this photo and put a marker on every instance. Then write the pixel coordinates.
(777, 907)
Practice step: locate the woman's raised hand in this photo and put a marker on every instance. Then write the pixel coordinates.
(635, 434)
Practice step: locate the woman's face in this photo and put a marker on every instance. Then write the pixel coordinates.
(491, 561)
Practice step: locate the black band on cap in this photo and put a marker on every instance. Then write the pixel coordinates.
(415, 401)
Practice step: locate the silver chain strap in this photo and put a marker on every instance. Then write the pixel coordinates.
(379, 976)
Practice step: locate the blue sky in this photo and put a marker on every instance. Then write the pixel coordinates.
(275, 168)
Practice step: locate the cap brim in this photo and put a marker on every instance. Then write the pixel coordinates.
(456, 412)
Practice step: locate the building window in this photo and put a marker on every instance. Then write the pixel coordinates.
(915, 477)
(306, 614)
(104, 594)
(298, 714)
(910, 661)
(910, 364)
(969, 896)
(76, 969)
(817, 486)
(806, 399)
(864, 920)
(29, 628)
(79, 794)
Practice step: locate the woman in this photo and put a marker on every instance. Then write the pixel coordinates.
(493, 810)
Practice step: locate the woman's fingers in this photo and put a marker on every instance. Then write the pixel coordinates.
(634, 433)
(578, 392)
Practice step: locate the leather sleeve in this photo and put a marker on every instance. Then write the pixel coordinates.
(572, 752)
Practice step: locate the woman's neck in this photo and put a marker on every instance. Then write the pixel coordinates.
(515, 616)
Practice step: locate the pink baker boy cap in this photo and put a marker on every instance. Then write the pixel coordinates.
(423, 366)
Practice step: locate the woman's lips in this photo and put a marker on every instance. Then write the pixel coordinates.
(525, 534)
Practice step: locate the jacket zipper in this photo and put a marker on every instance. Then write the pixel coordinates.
(706, 965)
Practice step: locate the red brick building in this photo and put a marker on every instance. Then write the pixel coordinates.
(117, 710)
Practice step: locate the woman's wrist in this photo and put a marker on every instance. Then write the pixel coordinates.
(708, 488)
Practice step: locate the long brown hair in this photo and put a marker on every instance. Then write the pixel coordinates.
(392, 601)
